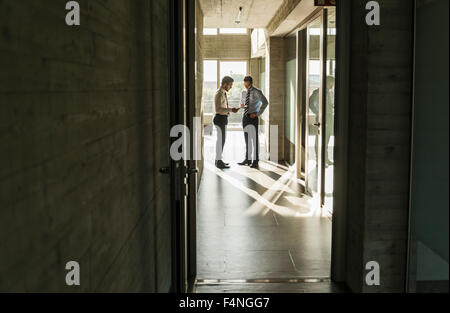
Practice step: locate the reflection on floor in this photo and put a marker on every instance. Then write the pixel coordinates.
(313, 171)
(258, 225)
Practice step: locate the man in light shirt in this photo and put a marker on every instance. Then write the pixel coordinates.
(254, 103)
(222, 110)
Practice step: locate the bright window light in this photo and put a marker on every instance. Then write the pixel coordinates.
(210, 31)
(210, 71)
(314, 31)
(233, 31)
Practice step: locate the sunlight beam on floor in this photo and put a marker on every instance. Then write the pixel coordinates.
(267, 202)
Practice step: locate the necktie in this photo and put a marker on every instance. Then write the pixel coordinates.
(247, 103)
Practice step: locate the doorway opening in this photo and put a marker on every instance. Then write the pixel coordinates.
(319, 119)
(268, 228)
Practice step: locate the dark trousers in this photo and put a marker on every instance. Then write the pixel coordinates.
(221, 122)
(251, 134)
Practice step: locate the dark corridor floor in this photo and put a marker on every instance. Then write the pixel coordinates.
(258, 225)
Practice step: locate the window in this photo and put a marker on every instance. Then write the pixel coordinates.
(224, 31)
(214, 71)
(258, 40)
(233, 31)
(237, 70)
(210, 85)
(209, 31)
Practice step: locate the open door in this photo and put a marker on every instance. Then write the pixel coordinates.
(320, 116)
(194, 124)
(183, 175)
(314, 107)
(328, 116)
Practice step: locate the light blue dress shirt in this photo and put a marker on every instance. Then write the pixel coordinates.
(258, 102)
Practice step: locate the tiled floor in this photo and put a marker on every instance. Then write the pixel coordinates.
(258, 224)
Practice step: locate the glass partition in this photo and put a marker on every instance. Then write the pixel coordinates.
(329, 110)
(314, 107)
(428, 268)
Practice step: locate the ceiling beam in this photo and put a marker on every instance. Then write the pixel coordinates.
(282, 13)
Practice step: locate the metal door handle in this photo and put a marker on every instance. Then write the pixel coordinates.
(318, 124)
(192, 171)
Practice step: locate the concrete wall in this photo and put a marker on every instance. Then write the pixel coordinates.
(227, 47)
(84, 128)
(379, 144)
(290, 98)
(255, 71)
(275, 76)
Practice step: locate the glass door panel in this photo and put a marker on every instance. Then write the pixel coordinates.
(314, 108)
(329, 111)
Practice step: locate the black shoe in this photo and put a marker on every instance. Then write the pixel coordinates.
(255, 165)
(245, 163)
(221, 165)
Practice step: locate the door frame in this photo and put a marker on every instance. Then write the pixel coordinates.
(323, 107)
(176, 118)
(300, 157)
(319, 15)
(341, 135)
(343, 55)
(192, 171)
(181, 93)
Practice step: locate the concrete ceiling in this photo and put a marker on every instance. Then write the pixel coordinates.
(294, 18)
(223, 13)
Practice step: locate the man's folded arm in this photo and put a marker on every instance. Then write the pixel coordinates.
(264, 103)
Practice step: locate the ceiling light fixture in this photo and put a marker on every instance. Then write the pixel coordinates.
(238, 19)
